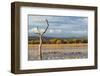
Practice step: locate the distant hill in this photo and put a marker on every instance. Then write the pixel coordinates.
(44, 37)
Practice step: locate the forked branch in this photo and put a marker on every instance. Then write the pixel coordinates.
(39, 32)
(46, 27)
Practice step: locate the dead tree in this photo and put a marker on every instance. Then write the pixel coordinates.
(40, 34)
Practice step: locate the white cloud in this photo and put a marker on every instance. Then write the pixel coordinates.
(58, 31)
(79, 32)
(54, 31)
(41, 30)
(51, 31)
(30, 30)
(35, 30)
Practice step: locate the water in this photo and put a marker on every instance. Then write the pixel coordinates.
(55, 53)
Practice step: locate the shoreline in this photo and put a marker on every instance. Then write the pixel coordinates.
(60, 45)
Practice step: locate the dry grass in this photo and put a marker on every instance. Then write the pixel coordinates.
(58, 45)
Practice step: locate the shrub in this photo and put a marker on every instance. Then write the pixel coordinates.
(52, 41)
(58, 41)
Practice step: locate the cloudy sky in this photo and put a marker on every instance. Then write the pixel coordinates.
(59, 26)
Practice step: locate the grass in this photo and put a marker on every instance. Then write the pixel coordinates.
(59, 45)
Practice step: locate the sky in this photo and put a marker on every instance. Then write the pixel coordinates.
(59, 26)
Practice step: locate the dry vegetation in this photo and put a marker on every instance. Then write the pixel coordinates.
(57, 41)
(58, 46)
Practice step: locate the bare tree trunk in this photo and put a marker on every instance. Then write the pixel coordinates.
(40, 37)
(40, 46)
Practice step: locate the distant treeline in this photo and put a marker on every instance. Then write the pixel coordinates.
(57, 41)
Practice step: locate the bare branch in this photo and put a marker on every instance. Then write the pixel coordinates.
(46, 27)
(38, 31)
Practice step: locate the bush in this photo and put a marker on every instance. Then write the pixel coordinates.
(84, 41)
(58, 41)
(52, 41)
(30, 42)
(36, 42)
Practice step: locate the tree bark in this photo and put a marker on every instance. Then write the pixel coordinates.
(40, 46)
(40, 38)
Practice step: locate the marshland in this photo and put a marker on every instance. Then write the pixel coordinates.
(54, 49)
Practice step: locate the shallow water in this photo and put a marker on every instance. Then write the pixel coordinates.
(58, 53)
